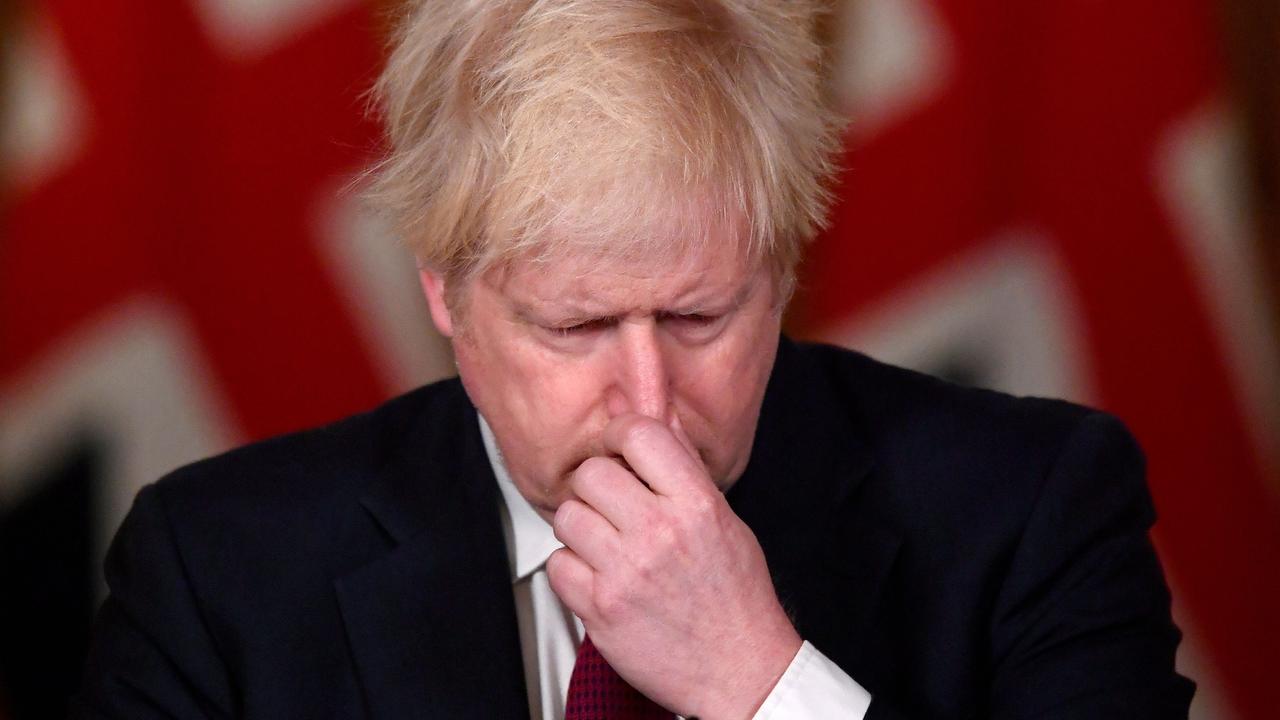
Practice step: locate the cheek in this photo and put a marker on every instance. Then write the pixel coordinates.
(537, 400)
(729, 378)
(722, 393)
(563, 403)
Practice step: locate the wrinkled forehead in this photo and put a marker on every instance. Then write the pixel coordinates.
(688, 273)
(643, 233)
(631, 219)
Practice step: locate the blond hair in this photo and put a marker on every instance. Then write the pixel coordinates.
(520, 128)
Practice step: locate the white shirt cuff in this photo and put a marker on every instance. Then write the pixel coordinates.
(814, 688)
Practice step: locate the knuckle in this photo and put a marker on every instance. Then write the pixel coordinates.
(647, 568)
(663, 537)
(611, 602)
(651, 520)
(703, 508)
(649, 560)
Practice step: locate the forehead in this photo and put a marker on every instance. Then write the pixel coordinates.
(701, 274)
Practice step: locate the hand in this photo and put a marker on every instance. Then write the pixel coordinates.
(671, 585)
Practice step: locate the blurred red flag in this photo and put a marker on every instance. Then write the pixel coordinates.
(1042, 197)
(171, 279)
(192, 145)
(1039, 196)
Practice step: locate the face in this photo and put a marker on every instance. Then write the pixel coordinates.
(550, 352)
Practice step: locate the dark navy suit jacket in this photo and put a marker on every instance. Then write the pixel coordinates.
(960, 553)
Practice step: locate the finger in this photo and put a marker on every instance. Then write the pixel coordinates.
(573, 582)
(586, 532)
(677, 428)
(614, 492)
(655, 454)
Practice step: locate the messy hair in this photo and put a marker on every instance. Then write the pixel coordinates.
(523, 128)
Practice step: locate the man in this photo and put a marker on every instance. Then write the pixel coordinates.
(638, 500)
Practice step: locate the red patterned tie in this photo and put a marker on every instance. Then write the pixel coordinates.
(596, 692)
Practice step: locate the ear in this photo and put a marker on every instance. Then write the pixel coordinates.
(433, 288)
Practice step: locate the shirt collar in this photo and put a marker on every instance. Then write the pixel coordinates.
(530, 539)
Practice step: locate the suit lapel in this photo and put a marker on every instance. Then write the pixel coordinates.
(804, 495)
(432, 624)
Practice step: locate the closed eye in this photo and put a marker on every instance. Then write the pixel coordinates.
(695, 327)
(582, 328)
(691, 319)
(696, 318)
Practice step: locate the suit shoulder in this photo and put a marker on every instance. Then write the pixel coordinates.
(941, 446)
(310, 469)
(284, 516)
(892, 399)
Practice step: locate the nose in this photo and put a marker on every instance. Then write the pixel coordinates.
(642, 381)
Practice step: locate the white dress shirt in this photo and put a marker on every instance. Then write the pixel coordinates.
(812, 688)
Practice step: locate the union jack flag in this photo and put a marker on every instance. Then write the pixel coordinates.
(1041, 197)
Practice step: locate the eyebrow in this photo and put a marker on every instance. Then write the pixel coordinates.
(564, 310)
